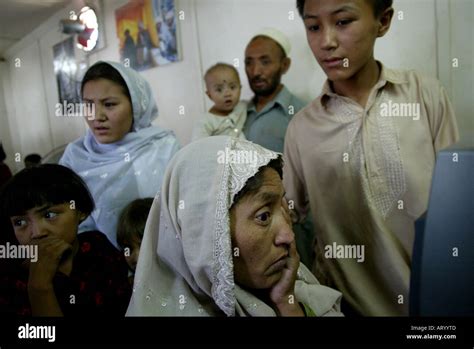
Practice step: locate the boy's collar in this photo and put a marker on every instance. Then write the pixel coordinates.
(386, 75)
(391, 75)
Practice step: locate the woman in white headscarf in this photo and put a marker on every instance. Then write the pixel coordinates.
(218, 240)
(122, 157)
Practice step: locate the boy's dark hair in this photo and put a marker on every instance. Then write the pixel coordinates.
(378, 5)
(254, 183)
(218, 66)
(34, 158)
(47, 184)
(105, 71)
(132, 220)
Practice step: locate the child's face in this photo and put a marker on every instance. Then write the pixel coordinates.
(223, 88)
(113, 111)
(341, 34)
(134, 249)
(58, 221)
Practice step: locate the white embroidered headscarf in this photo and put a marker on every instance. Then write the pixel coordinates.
(185, 265)
(128, 169)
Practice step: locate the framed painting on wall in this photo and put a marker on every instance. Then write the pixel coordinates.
(147, 33)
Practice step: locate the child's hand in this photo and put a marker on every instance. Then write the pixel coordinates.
(50, 252)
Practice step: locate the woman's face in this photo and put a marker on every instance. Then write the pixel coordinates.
(113, 110)
(58, 221)
(261, 234)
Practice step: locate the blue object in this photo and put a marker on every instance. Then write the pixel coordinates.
(442, 277)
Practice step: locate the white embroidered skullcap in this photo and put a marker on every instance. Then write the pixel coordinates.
(276, 36)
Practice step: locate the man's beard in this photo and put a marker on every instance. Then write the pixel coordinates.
(266, 91)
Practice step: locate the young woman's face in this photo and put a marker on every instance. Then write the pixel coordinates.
(59, 221)
(262, 233)
(341, 34)
(113, 110)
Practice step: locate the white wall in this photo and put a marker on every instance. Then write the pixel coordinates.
(5, 125)
(175, 84)
(218, 30)
(456, 41)
(234, 22)
(31, 93)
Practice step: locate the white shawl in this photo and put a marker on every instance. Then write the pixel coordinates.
(185, 265)
(131, 168)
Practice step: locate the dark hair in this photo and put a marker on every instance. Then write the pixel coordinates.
(254, 183)
(7, 234)
(378, 5)
(132, 220)
(105, 71)
(221, 65)
(3, 156)
(35, 158)
(47, 184)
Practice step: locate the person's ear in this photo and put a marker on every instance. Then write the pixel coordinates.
(385, 20)
(82, 216)
(208, 94)
(232, 222)
(286, 63)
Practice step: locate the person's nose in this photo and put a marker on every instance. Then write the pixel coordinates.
(100, 113)
(329, 39)
(227, 92)
(37, 229)
(255, 70)
(134, 258)
(284, 235)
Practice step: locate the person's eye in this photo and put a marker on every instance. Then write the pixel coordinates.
(109, 105)
(219, 90)
(313, 28)
(50, 214)
(343, 22)
(19, 222)
(263, 218)
(266, 62)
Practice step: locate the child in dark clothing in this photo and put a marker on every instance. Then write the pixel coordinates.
(55, 271)
(130, 230)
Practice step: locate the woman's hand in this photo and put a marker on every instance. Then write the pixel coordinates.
(282, 294)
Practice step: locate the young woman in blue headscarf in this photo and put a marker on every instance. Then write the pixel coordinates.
(122, 157)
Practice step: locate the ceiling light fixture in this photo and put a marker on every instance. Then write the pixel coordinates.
(86, 27)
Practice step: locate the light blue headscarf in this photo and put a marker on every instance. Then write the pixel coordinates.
(128, 169)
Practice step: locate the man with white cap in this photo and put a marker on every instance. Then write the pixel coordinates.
(273, 106)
